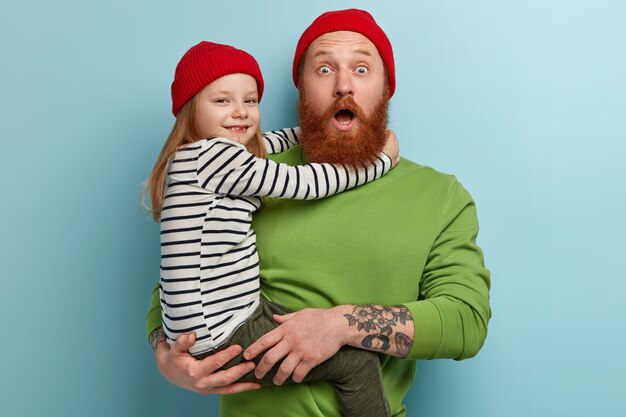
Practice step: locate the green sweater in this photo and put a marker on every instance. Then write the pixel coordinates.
(408, 238)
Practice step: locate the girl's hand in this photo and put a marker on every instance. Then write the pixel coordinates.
(204, 376)
(391, 147)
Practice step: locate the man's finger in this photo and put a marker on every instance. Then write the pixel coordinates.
(300, 372)
(264, 342)
(280, 319)
(234, 388)
(215, 361)
(226, 377)
(271, 358)
(184, 342)
(286, 369)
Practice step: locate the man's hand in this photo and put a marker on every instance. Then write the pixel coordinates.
(181, 368)
(304, 339)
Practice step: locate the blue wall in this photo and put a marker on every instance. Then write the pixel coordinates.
(525, 101)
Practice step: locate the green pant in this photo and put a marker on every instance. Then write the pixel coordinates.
(354, 372)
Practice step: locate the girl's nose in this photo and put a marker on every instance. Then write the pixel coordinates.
(240, 112)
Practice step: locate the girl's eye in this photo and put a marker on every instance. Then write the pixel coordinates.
(324, 70)
(251, 101)
(361, 70)
(221, 100)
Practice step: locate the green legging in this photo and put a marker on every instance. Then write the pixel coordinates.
(355, 373)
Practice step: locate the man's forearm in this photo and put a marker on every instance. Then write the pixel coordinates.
(156, 337)
(386, 329)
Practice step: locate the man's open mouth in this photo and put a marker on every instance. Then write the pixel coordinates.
(343, 119)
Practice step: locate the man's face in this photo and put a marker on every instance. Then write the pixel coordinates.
(343, 100)
(343, 64)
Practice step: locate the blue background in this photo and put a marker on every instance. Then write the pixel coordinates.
(524, 101)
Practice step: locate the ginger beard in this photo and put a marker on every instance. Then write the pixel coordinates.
(322, 142)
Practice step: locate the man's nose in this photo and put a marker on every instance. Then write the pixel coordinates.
(343, 83)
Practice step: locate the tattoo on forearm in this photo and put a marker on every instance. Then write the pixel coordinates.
(156, 337)
(403, 344)
(381, 324)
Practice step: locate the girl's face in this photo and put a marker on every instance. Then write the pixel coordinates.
(229, 108)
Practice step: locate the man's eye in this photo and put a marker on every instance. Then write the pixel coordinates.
(324, 70)
(362, 70)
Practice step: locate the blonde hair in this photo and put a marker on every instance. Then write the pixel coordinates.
(184, 132)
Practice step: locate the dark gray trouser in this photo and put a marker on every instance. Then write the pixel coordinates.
(354, 372)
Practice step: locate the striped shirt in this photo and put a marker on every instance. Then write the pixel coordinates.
(209, 263)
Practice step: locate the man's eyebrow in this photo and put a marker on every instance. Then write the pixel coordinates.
(325, 52)
(321, 53)
(362, 52)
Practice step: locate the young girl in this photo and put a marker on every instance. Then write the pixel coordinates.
(204, 192)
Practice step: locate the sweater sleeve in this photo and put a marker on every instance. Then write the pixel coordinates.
(226, 167)
(452, 310)
(153, 318)
(280, 140)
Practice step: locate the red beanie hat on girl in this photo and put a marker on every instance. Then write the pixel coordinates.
(353, 20)
(206, 62)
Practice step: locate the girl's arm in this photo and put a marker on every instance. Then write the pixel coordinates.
(226, 167)
(280, 140)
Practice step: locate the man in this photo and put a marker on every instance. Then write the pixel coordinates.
(392, 266)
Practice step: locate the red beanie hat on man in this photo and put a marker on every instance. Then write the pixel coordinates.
(353, 20)
(206, 62)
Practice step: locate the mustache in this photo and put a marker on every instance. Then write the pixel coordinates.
(345, 103)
